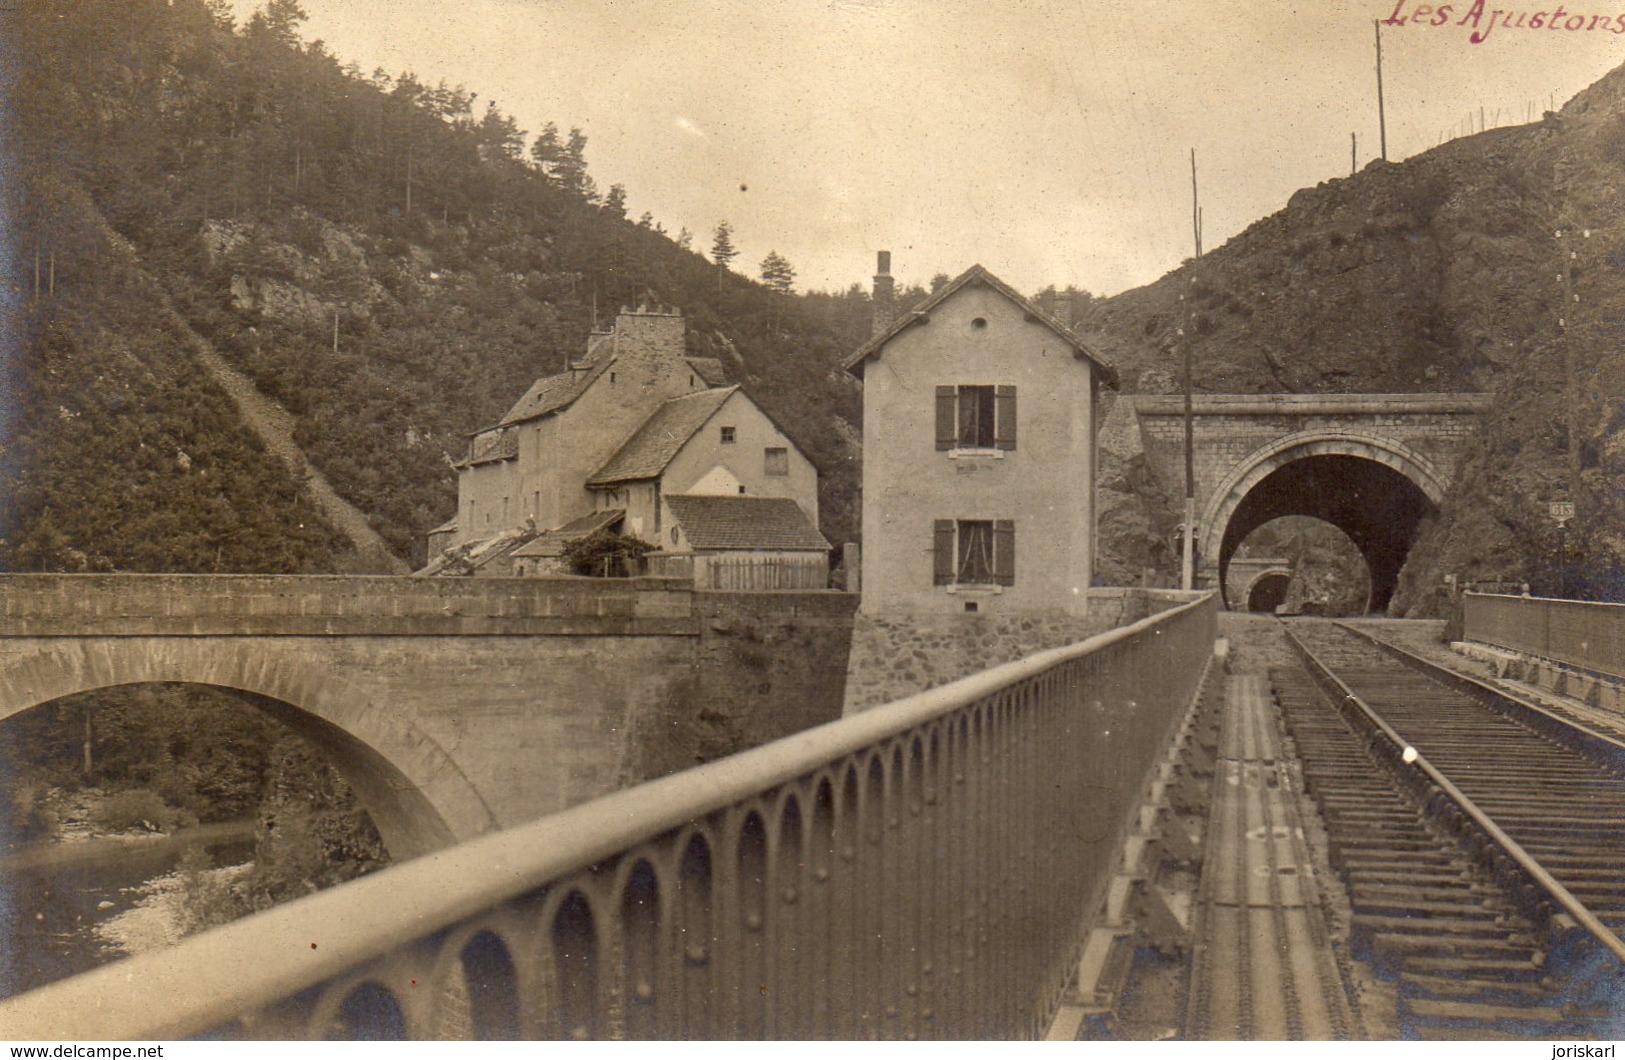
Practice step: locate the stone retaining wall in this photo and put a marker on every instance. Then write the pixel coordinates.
(897, 655)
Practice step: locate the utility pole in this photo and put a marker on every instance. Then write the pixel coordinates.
(1382, 120)
(1187, 559)
(1354, 153)
(1569, 264)
(1571, 298)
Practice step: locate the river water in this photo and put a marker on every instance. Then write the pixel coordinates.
(49, 905)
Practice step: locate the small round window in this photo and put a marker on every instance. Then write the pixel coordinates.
(674, 535)
(979, 322)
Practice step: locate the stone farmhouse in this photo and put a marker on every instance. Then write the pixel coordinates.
(979, 414)
(641, 439)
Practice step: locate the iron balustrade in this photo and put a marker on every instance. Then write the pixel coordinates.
(1583, 635)
(924, 869)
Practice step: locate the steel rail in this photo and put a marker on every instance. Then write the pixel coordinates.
(314, 946)
(1531, 868)
(1567, 730)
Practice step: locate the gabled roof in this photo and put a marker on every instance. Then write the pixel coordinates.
(490, 446)
(653, 445)
(553, 392)
(978, 275)
(709, 369)
(757, 523)
(552, 543)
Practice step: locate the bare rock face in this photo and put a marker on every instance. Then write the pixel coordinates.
(305, 284)
(1441, 273)
(1132, 525)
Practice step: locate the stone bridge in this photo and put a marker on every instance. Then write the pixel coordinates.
(454, 706)
(1373, 465)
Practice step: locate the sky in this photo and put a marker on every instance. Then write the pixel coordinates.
(1048, 140)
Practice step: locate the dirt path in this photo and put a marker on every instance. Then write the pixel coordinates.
(272, 424)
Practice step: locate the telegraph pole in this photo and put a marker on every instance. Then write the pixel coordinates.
(1187, 560)
(1382, 120)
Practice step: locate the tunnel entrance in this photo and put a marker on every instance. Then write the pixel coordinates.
(1268, 591)
(1379, 507)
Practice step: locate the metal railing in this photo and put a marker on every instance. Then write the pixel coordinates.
(927, 868)
(1584, 635)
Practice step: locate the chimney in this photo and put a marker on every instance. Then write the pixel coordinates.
(883, 307)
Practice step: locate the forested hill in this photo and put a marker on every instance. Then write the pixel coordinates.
(182, 187)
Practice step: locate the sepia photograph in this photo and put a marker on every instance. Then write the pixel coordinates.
(872, 520)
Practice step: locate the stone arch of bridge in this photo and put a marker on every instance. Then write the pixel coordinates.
(414, 791)
(1375, 489)
(1261, 580)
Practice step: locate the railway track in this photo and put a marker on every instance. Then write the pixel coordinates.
(1481, 843)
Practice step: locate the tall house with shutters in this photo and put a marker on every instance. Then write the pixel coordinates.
(978, 454)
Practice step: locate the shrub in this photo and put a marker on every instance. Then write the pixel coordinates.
(606, 555)
(208, 899)
(134, 808)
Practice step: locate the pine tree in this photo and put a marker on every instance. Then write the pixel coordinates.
(778, 273)
(572, 166)
(722, 245)
(615, 201)
(685, 238)
(282, 19)
(547, 152)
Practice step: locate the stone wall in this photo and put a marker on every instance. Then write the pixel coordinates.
(767, 665)
(896, 655)
(337, 605)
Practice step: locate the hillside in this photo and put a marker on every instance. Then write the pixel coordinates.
(1440, 273)
(261, 297)
(206, 207)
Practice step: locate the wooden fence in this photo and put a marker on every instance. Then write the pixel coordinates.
(747, 571)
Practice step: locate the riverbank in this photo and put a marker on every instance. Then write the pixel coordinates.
(76, 848)
(159, 916)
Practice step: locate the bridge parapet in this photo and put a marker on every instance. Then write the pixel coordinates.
(927, 868)
(1588, 636)
(33, 605)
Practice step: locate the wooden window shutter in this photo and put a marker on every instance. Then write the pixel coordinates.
(1004, 552)
(945, 417)
(942, 548)
(1004, 417)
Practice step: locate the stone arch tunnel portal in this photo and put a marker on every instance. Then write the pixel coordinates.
(1378, 505)
(1266, 592)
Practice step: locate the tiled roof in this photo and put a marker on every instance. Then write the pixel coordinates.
(464, 559)
(977, 274)
(490, 446)
(653, 445)
(710, 370)
(757, 523)
(553, 392)
(552, 543)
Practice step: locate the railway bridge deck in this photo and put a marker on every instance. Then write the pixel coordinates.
(1260, 862)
